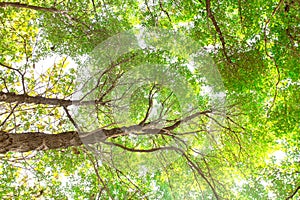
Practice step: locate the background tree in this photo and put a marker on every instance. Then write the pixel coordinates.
(255, 154)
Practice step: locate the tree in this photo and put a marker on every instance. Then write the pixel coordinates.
(88, 111)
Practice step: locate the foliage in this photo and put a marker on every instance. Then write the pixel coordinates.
(254, 150)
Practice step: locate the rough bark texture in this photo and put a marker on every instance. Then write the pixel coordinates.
(23, 142)
(29, 141)
(10, 97)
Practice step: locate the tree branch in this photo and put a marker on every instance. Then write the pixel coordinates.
(19, 72)
(39, 8)
(272, 57)
(71, 119)
(10, 97)
(211, 16)
(29, 141)
(177, 123)
(294, 193)
(24, 142)
(22, 5)
(11, 112)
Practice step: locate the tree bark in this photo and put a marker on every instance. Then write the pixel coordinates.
(10, 97)
(22, 5)
(29, 141)
(24, 142)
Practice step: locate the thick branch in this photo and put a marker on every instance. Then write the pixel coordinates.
(39, 8)
(22, 5)
(10, 97)
(29, 141)
(24, 142)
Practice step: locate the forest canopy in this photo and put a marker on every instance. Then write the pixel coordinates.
(149, 99)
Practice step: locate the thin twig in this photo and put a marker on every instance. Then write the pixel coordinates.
(71, 119)
(271, 57)
(12, 111)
